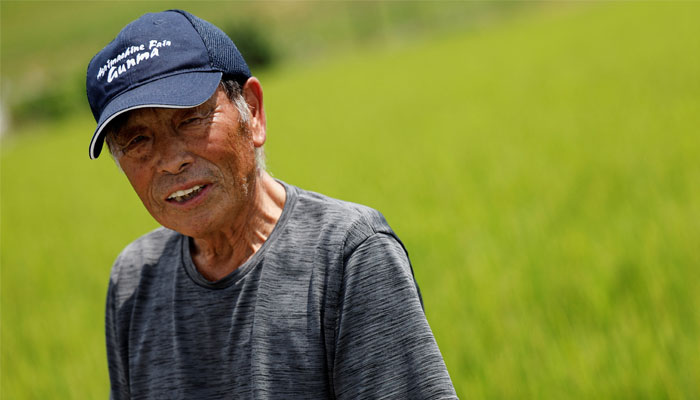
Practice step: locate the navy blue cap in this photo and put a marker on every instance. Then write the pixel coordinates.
(170, 59)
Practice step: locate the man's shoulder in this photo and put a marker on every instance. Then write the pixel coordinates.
(145, 251)
(322, 207)
(149, 247)
(355, 222)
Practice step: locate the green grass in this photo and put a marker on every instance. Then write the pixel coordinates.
(543, 174)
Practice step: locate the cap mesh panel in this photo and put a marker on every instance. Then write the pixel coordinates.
(223, 54)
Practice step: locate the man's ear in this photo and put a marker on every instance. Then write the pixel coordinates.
(253, 95)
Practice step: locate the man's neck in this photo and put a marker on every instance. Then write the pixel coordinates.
(219, 254)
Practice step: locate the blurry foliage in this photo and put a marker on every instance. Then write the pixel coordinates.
(253, 43)
(55, 101)
(43, 75)
(62, 96)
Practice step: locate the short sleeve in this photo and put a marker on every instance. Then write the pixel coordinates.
(116, 344)
(384, 345)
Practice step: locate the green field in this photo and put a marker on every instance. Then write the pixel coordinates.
(543, 172)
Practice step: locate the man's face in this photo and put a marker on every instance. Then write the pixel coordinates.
(194, 169)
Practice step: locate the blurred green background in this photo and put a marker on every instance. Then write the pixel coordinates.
(540, 161)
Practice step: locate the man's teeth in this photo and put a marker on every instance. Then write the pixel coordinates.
(182, 195)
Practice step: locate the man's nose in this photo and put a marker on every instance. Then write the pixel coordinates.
(174, 155)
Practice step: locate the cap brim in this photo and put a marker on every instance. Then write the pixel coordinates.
(184, 90)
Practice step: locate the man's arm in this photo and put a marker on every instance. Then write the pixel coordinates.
(384, 345)
(116, 347)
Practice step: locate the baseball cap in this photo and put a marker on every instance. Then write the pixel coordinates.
(170, 59)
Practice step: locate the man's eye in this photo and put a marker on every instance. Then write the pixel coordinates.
(191, 121)
(136, 140)
(196, 119)
(135, 143)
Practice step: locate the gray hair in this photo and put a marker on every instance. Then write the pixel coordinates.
(235, 94)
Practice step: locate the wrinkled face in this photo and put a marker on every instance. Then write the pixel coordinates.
(194, 169)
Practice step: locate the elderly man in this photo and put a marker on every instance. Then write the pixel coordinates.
(253, 288)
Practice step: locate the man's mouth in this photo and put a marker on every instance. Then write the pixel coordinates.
(182, 196)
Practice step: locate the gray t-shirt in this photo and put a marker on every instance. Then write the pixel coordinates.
(326, 308)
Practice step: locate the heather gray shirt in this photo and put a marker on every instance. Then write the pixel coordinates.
(326, 308)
